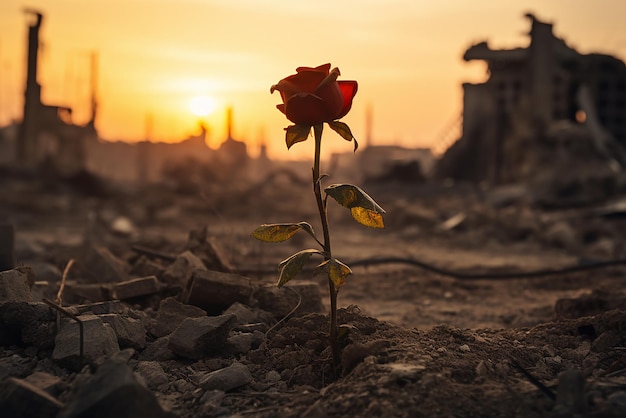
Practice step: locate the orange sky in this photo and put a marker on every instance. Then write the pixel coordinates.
(157, 55)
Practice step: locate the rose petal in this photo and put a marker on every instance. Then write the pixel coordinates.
(348, 90)
(325, 68)
(306, 109)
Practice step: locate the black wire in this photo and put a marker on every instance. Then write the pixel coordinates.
(466, 275)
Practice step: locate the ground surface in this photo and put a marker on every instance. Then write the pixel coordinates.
(419, 343)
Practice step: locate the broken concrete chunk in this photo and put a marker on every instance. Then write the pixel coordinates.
(90, 292)
(99, 340)
(134, 288)
(100, 308)
(197, 337)
(15, 285)
(50, 384)
(27, 323)
(201, 245)
(214, 291)
(145, 267)
(281, 301)
(158, 351)
(152, 373)
(170, 315)
(114, 392)
(179, 272)
(104, 267)
(130, 332)
(226, 379)
(20, 399)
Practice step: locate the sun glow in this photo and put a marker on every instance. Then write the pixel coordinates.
(202, 105)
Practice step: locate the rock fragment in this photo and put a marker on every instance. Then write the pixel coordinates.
(170, 315)
(197, 337)
(214, 291)
(114, 392)
(226, 379)
(15, 285)
(134, 288)
(21, 399)
(99, 340)
(130, 332)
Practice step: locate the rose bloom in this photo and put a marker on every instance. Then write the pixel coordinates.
(313, 95)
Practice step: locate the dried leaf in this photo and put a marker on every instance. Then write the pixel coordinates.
(276, 232)
(344, 131)
(349, 196)
(336, 271)
(296, 133)
(367, 217)
(290, 267)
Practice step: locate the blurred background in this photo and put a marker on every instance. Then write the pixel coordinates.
(158, 69)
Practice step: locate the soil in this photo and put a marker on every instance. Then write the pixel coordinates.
(414, 342)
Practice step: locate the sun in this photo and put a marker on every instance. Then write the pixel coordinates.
(202, 105)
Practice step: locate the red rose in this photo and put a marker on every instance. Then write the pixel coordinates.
(313, 95)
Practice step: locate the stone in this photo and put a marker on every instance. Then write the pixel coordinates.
(100, 308)
(246, 315)
(211, 255)
(114, 392)
(197, 337)
(90, 292)
(27, 323)
(170, 315)
(21, 399)
(215, 291)
(99, 340)
(226, 379)
(15, 285)
(177, 274)
(281, 301)
(104, 267)
(152, 373)
(7, 247)
(145, 267)
(158, 350)
(134, 288)
(50, 384)
(242, 342)
(130, 332)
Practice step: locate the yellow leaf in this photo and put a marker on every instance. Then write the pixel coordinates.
(367, 217)
(296, 133)
(290, 267)
(276, 232)
(336, 270)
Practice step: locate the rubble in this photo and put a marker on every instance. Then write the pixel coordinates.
(99, 340)
(114, 392)
(21, 399)
(215, 291)
(135, 288)
(196, 337)
(171, 314)
(225, 379)
(15, 284)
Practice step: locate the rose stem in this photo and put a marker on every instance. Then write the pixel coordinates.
(321, 206)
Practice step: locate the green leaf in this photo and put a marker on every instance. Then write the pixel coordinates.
(344, 131)
(367, 217)
(290, 267)
(336, 271)
(280, 232)
(296, 133)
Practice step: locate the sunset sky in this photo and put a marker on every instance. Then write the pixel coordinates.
(156, 56)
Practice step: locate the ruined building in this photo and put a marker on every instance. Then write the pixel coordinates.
(511, 118)
(47, 135)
